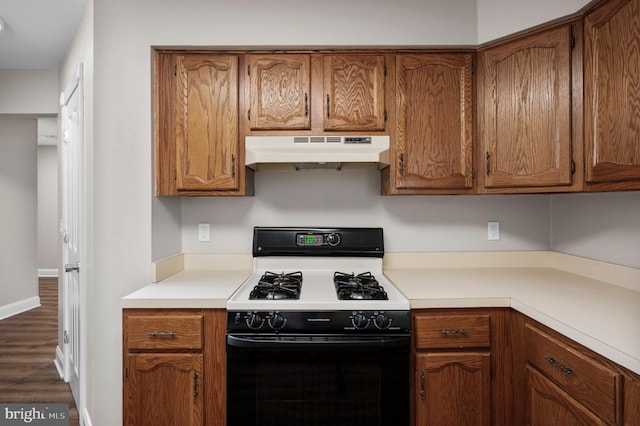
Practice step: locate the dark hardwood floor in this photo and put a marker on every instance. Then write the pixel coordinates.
(27, 351)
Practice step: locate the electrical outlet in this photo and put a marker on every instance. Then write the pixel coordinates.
(203, 232)
(493, 231)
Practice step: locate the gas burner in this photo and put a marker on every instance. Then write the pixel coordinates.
(278, 286)
(363, 286)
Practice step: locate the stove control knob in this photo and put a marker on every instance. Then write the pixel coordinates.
(254, 321)
(382, 321)
(277, 321)
(333, 239)
(360, 321)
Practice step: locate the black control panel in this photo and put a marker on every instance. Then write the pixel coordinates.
(356, 321)
(356, 242)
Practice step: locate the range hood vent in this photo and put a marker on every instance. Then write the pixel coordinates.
(316, 152)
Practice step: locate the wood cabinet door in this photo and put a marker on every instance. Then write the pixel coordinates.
(279, 92)
(549, 405)
(612, 92)
(434, 134)
(453, 389)
(207, 122)
(164, 390)
(525, 111)
(354, 92)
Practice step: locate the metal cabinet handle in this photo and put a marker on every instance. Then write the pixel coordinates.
(328, 107)
(422, 385)
(551, 360)
(162, 334)
(306, 105)
(459, 332)
(69, 267)
(233, 166)
(488, 158)
(195, 385)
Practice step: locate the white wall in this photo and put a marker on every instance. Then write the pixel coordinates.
(602, 226)
(33, 92)
(18, 236)
(351, 198)
(48, 240)
(498, 18)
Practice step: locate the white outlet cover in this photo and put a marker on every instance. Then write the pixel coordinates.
(203, 232)
(493, 231)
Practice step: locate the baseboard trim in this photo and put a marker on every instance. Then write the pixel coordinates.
(85, 418)
(19, 307)
(59, 362)
(47, 273)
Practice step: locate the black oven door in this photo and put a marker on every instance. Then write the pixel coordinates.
(318, 381)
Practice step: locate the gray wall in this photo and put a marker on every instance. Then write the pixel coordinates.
(29, 92)
(18, 218)
(25, 94)
(48, 240)
(602, 226)
(352, 198)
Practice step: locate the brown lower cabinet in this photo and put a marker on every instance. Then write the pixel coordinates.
(485, 366)
(455, 352)
(174, 367)
(500, 367)
(559, 382)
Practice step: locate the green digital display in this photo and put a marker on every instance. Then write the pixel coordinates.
(309, 240)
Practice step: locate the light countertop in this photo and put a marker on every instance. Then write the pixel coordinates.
(600, 316)
(198, 288)
(574, 296)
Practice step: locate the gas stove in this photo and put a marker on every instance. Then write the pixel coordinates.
(318, 280)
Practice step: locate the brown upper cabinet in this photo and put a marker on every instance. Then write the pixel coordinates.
(280, 90)
(197, 130)
(548, 110)
(354, 92)
(316, 92)
(526, 143)
(432, 150)
(612, 95)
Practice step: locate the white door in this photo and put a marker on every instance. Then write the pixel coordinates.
(71, 101)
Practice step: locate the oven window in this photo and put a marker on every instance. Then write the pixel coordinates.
(313, 389)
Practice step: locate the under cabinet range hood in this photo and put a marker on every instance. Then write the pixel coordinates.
(316, 152)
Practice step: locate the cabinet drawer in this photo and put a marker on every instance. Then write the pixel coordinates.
(452, 331)
(164, 332)
(591, 382)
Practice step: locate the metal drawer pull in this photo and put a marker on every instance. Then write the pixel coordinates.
(162, 333)
(460, 331)
(552, 361)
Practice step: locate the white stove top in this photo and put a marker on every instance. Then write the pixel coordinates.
(318, 291)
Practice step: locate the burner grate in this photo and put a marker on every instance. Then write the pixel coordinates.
(278, 286)
(363, 286)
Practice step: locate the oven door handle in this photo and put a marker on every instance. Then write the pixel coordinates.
(320, 343)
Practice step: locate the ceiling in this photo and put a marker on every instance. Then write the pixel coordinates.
(37, 33)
